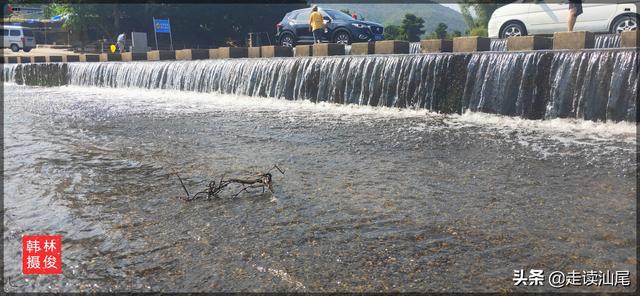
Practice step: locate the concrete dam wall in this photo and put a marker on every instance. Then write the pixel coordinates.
(585, 84)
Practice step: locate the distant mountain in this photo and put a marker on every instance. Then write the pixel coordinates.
(394, 13)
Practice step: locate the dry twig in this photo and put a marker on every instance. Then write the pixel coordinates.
(260, 180)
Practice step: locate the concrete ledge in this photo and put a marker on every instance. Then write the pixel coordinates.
(471, 44)
(213, 53)
(70, 58)
(161, 55)
(361, 48)
(629, 39)
(391, 47)
(328, 49)
(304, 50)
(11, 60)
(134, 56)
(573, 40)
(54, 59)
(110, 57)
(232, 52)
(192, 54)
(529, 43)
(89, 58)
(276, 51)
(436, 45)
(38, 59)
(254, 52)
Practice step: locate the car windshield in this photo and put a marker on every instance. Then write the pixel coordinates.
(338, 15)
(27, 33)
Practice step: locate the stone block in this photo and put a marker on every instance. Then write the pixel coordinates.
(213, 53)
(254, 52)
(392, 47)
(161, 55)
(471, 44)
(328, 49)
(89, 58)
(529, 43)
(573, 40)
(361, 48)
(436, 45)
(110, 57)
(232, 52)
(71, 58)
(629, 39)
(192, 54)
(304, 50)
(276, 51)
(134, 56)
(54, 59)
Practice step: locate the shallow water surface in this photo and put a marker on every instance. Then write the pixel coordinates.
(373, 199)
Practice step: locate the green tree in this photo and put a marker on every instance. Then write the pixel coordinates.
(441, 31)
(392, 32)
(483, 10)
(412, 27)
(456, 33)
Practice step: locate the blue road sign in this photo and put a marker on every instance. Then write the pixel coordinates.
(162, 26)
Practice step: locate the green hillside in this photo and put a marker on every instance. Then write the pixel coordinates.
(393, 14)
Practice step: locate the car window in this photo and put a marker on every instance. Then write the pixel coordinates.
(5, 32)
(27, 33)
(303, 16)
(338, 15)
(14, 33)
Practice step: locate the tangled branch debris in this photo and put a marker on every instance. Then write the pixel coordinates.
(259, 180)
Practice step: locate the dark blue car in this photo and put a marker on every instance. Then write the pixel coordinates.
(342, 28)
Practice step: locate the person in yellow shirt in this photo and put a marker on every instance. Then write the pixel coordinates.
(316, 24)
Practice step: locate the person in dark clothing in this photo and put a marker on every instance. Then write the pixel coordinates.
(575, 9)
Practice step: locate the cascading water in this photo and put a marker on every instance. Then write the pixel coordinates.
(588, 84)
(415, 47)
(607, 41)
(498, 45)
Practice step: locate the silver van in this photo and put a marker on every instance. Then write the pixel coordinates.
(17, 38)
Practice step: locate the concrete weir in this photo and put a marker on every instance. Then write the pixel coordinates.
(531, 84)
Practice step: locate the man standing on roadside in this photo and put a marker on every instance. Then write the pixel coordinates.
(120, 41)
(316, 24)
(575, 9)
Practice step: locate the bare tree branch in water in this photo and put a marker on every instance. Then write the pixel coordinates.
(260, 180)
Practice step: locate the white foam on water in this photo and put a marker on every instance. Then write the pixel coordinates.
(562, 130)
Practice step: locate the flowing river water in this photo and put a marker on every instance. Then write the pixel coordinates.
(373, 198)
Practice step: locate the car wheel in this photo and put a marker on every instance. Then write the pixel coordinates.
(513, 29)
(14, 47)
(342, 37)
(26, 49)
(625, 23)
(287, 40)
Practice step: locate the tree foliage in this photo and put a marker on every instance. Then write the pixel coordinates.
(412, 27)
(483, 9)
(192, 25)
(393, 32)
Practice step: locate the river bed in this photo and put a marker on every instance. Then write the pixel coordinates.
(373, 198)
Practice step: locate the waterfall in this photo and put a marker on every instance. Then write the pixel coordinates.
(587, 84)
(415, 47)
(607, 41)
(498, 45)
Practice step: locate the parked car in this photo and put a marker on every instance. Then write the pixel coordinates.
(547, 17)
(342, 28)
(17, 38)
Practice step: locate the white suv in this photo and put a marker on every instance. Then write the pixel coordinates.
(17, 38)
(546, 17)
